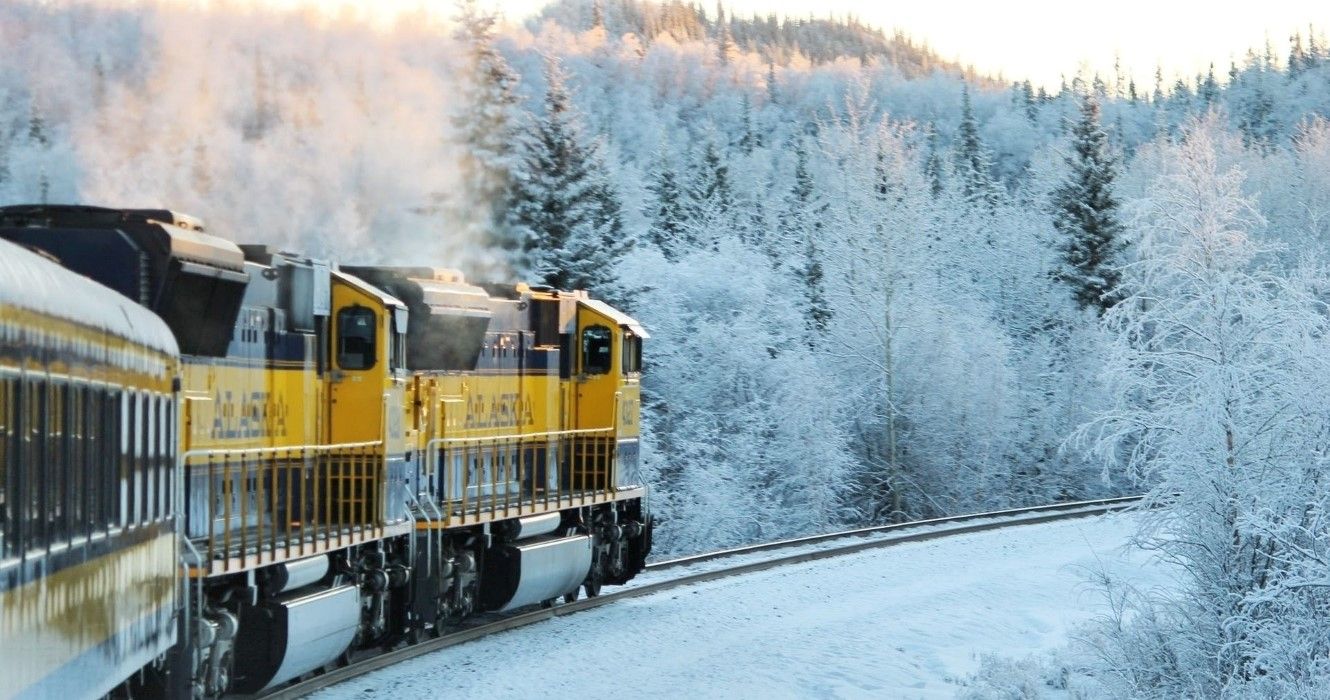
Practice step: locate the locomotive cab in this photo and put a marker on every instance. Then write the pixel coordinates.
(367, 380)
(606, 386)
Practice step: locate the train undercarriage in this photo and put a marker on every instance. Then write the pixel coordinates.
(254, 631)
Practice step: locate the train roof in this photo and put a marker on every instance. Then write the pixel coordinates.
(32, 282)
(616, 316)
(383, 297)
(179, 235)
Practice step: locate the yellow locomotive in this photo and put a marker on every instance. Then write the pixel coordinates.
(365, 454)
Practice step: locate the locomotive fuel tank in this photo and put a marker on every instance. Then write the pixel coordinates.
(293, 635)
(526, 573)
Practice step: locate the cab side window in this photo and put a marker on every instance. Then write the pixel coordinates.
(596, 345)
(356, 335)
(397, 340)
(632, 354)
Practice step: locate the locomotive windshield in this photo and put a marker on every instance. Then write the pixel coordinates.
(596, 350)
(355, 338)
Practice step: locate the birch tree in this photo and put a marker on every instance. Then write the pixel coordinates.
(1217, 373)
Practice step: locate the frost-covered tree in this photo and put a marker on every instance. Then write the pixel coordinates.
(665, 209)
(1218, 372)
(954, 362)
(489, 123)
(1085, 212)
(725, 48)
(801, 228)
(569, 212)
(933, 166)
(730, 421)
(37, 129)
(711, 198)
(974, 164)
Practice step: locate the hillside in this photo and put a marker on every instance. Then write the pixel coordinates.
(778, 40)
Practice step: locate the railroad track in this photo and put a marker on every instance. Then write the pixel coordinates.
(807, 549)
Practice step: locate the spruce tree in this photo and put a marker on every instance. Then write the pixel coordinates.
(1208, 88)
(489, 128)
(563, 202)
(973, 162)
(666, 212)
(933, 166)
(711, 198)
(1085, 211)
(5, 146)
(725, 49)
(98, 82)
(1028, 102)
(597, 15)
(263, 114)
(37, 135)
(1256, 113)
(750, 138)
(801, 226)
(1297, 56)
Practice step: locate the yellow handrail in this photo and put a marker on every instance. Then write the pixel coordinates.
(589, 454)
(281, 501)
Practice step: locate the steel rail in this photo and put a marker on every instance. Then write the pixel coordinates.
(894, 527)
(931, 529)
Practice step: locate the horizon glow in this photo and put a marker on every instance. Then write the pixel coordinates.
(1042, 40)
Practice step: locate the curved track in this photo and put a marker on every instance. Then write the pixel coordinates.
(807, 549)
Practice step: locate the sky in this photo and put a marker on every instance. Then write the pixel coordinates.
(1041, 40)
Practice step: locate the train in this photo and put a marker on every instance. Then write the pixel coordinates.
(225, 467)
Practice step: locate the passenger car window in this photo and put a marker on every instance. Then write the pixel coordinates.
(596, 350)
(356, 332)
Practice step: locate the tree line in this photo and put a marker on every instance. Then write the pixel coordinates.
(877, 291)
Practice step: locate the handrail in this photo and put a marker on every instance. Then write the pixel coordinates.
(519, 436)
(258, 505)
(245, 451)
(484, 457)
(198, 561)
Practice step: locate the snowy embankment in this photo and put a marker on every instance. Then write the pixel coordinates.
(910, 621)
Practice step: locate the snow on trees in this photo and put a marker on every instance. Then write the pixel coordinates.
(802, 177)
(1085, 212)
(664, 209)
(489, 123)
(974, 165)
(563, 203)
(1218, 374)
(801, 224)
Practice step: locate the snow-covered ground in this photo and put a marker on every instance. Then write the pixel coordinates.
(910, 621)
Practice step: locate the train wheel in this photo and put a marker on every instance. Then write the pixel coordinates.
(571, 596)
(592, 588)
